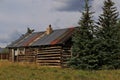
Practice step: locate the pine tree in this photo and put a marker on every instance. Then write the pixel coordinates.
(110, 15)
(83, 52)
(108, 35)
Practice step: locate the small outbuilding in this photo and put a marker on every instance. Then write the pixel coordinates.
(50, 47)
(4, 54)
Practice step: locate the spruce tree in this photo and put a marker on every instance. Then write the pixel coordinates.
(109, 17)
(83, 52)
(108, 35)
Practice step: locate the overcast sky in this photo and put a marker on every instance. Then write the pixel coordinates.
(17, 15)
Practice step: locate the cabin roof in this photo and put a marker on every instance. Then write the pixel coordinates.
(58, 36)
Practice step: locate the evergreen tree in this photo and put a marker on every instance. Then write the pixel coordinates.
(83, 52)
(110, 15)
(108, 35)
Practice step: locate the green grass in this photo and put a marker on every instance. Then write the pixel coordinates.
(26, 71)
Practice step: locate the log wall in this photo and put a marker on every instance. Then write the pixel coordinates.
(29, 56)
(4, 56)
(10, 54)
(26, 58)
(45, 56)
(49, 56)
(66, 55)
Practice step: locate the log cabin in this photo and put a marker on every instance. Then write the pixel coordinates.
(47, 48)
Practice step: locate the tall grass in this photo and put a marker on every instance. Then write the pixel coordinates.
(27, 71)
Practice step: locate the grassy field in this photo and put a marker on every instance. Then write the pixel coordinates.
(25, 71)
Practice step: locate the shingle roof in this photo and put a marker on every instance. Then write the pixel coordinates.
(40, 38)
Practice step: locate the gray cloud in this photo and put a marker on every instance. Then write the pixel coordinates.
(8, 38)
(69, 5)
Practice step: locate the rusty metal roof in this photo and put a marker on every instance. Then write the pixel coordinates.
(40, 38)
